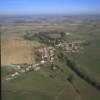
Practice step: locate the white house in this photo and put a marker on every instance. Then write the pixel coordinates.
(27, 69)
(18, 67)
(42, 61)
(8, 78)
(68, 33)
(22, 71)
(16, 73)
(35, 65)
(37, 68)
(12, 75)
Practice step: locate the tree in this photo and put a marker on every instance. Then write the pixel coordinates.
(62, 34)
(70, 78)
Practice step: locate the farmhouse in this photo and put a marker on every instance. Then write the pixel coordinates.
(67, 33)
(27, 69)
(42, 61)
(22, 71)
(8, 78)
(36, 68)
(46, 52)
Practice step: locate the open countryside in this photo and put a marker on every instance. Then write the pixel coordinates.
(50, 49)
(60, 64)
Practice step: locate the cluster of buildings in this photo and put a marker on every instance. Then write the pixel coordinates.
(20, 69)
(46, 54)
(71, 47)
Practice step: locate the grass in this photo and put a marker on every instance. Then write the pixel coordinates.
(89, 59)
(40, 85)
(6, 70)
(35, 86)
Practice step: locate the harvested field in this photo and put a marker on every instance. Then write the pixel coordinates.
(15, 50)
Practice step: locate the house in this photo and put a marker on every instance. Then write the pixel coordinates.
(18, 67)
(37, 68)
(50, 48)
(12, 75)
(52, 59)
(58, 45)
(68, 33)
(29, 66)
(27, 69)
(54, 68)
(51, 53)
(35, 65)
(8, 78)
(46, 53)
(16, 73)
(42, 61)
(22, 71)
(76, 47)
(67, 48)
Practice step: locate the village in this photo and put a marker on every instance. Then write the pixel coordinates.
(47, 55)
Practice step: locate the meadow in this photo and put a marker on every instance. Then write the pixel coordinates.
(46, 84)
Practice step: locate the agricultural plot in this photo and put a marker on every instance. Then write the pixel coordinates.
(38, 86)
(15, 50)
(47, 83)
(89, 59)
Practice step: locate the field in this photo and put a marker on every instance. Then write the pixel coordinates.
(41, 86)
(35, 86)
(15, 50)
(89, 59)
(46, 84)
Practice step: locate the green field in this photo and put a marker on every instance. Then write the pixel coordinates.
(88, 59)
(54, 85)
(48, 85)
(62, 83)
(37, 86)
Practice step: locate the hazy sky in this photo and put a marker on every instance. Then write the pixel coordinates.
(49, 6)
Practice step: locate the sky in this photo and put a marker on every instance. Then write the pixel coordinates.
(49, 6)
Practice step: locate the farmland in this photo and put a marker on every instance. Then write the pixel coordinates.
(89, 59)
(20, 40)
(16, 50)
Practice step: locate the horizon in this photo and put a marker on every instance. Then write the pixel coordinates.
(49, 7)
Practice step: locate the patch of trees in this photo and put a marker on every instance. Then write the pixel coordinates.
(37, 56)
(62, 34)
(86, 43)
(43, 36)
(70, 78)
(60, 56)
(29, 36)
